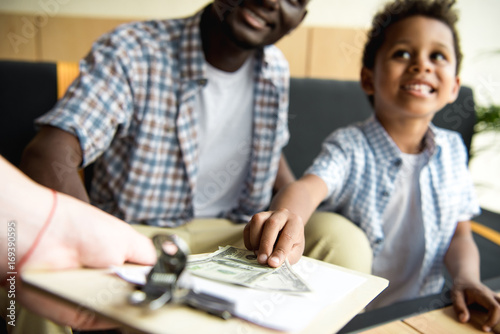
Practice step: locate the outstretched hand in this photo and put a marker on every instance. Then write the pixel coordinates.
(468, 293)
(81, 235)
(275, 236)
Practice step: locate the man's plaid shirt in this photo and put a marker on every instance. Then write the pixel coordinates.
(132, 109)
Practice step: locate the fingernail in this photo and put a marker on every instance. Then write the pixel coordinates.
(262, 258)
(486, 329)
(274, 260)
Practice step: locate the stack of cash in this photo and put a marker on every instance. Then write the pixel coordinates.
(239, 266)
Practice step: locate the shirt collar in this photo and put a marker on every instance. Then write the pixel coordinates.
(192, 58)
(387, 150)
(432, 141)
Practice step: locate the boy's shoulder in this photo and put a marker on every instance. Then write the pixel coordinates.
(353, 133)
(446, 136)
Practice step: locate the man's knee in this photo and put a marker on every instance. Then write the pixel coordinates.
(333, 238)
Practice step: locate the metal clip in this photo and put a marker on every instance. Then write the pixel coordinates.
(161, 283)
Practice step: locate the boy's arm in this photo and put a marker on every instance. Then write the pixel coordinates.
(462, 262)
(285, 175)
(53, 159)
(279, 233)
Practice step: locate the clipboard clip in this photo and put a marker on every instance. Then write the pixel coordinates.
(162, 281)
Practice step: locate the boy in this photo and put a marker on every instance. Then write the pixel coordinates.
(401, 179)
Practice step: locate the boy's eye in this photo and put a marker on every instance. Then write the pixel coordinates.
(438, 56)
(402, 54)
(296, 2)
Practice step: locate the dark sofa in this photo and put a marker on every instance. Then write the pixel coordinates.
(318, 106)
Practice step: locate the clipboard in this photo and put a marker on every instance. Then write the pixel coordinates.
(104, 294)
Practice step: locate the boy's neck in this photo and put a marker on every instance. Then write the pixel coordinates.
(408, 134)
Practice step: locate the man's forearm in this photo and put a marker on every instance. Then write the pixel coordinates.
(53, 159)
(55, 174)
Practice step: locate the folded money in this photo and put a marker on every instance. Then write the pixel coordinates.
(239, 266)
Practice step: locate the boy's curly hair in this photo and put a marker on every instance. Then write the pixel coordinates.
(401, 9)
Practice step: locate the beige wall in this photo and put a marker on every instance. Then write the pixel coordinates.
(478, 26)
(39, 37)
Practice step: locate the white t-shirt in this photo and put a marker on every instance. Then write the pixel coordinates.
(402, 255)
(224, 138)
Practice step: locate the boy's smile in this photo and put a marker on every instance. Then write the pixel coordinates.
(415, 70)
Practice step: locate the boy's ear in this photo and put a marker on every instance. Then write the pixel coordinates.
(367, 81)
(455, 90)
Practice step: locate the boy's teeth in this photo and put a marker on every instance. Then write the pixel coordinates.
(419, 88)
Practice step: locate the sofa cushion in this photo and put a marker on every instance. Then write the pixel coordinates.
(27, 90)
(319, 106)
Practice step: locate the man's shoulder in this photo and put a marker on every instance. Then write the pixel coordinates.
(151, 33)
(150, 29)
(275, 59)
(274, 54)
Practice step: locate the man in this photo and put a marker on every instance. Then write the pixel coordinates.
(185, 120)
(171, 140)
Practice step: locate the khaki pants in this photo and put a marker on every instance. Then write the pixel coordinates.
(329, 237)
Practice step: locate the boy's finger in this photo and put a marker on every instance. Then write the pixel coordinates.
(460, 307)
(493, 315)
(288, 237)
(270, 232)
(254, 230)
(246, 237)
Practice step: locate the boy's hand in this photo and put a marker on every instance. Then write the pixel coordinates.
(275, 235)
(467, 293)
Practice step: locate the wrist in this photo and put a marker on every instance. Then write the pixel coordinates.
(465, 279)
(41, 233)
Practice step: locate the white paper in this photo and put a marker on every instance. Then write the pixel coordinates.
(276, 310)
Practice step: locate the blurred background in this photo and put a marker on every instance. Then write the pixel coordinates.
(327, 45)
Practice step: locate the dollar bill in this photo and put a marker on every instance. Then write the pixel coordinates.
(239, 266)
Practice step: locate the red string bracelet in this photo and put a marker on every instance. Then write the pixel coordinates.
(40, 234)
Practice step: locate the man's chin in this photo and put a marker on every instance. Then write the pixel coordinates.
(245, 38)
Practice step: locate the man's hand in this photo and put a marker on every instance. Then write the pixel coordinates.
(275, 235)
(468, 293)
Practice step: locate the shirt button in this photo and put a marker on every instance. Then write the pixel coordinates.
(202, 82)
(385, 193)
(378, 241)
(398, 162)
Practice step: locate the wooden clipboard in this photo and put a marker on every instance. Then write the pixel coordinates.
(104, 294)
